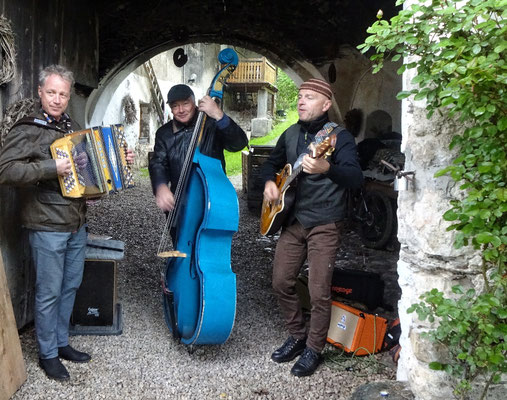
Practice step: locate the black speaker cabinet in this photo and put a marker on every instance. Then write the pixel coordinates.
(96, 311)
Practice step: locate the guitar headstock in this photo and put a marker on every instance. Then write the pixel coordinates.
(324, 148)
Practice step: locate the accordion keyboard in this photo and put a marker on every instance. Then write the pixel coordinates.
(68, 180)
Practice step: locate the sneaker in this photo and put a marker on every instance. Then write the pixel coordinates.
(289, 350)
(307, 363)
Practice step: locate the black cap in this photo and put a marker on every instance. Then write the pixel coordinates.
(179, 92)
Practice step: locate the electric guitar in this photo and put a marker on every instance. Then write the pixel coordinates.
(274, 213)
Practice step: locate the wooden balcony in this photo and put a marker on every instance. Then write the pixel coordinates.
(254, 73)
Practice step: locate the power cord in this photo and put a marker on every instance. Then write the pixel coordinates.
(338, 359)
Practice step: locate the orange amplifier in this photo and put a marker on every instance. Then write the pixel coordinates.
(356, 331)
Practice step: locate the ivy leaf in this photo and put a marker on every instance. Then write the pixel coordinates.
(479, 111)
(450, 215)
(462, 70)
(436, 366)
(450, 68)
(403, 95)
(496, 359)
(485, 167)
(486, 237)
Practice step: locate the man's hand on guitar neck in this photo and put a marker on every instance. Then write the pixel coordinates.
(271, 191)
(314, 165)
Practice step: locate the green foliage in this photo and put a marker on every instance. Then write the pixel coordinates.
(473, 328)
(233, 160)
(286, 99)
(287, 95)
(458, 49)
(144, 172)
(278, 129)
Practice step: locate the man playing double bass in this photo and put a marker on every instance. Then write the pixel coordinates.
(312, 229)
(173, 138)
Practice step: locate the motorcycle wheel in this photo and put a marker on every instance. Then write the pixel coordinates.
(377, 220)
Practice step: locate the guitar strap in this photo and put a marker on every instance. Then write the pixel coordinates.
(325, 131)
(320, 136)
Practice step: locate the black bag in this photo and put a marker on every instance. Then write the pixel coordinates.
(361, 286)
(393, 334)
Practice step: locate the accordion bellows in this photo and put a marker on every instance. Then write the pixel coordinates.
(99, 163)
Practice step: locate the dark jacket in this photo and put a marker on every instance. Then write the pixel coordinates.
(320, 198)
(172, 142)
(25, 161)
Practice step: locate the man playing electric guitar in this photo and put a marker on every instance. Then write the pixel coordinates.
(312, 228)
(274, 212)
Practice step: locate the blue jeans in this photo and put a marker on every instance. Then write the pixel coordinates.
(59, 262)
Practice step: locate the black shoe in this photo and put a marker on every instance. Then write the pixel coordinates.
(54, 369)
(289, 350)
(307, 363)
(70, 354)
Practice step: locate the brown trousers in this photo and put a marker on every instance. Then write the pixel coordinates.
(319, 245)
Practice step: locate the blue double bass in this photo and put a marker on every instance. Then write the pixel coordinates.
(199, 287)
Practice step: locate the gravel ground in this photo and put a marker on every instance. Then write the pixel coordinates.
(144, 362)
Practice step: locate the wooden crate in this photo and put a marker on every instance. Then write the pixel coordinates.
(252, 161)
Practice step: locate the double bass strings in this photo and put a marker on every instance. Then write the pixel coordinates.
(166, 246)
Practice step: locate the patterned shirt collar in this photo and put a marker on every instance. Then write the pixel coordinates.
(64, 121)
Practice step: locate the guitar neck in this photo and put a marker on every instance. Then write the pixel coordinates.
(291, 177)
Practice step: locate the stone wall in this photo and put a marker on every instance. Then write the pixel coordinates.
(427, 257)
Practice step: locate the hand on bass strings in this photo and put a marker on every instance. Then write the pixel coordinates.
(164, 198)
(210, 107)
(271, 191)
(63, 166)
(315, 165)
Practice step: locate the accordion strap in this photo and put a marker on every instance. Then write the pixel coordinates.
(37, 122)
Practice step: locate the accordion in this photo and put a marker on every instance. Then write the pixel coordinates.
(98, 158)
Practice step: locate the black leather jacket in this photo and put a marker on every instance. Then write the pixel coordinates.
(172, 141)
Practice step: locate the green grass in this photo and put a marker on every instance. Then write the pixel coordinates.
(233, 160)
(144, 172)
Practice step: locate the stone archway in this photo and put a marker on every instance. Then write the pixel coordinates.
(99, 98)
(348, 87)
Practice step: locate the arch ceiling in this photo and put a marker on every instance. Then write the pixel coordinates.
(288, 31)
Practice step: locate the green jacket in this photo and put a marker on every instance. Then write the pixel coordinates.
(26, 162)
